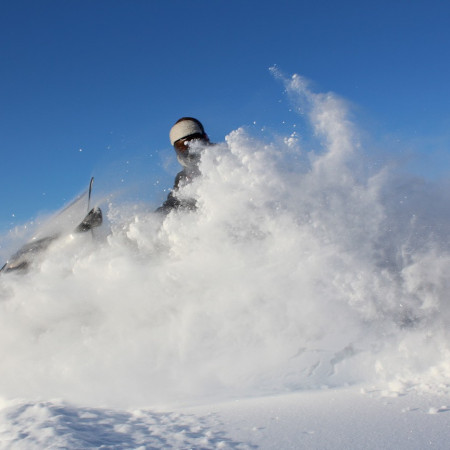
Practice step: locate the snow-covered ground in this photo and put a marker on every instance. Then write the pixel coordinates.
(325, 419)
(305, 304)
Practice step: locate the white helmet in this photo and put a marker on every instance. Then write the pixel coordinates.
(185, 127)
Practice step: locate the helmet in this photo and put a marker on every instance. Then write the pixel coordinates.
(186, 127)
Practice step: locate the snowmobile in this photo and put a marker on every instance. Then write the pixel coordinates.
(65, 222)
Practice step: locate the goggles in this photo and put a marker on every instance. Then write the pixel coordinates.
(182, 145)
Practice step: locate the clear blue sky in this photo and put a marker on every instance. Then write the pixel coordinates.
(109, 78)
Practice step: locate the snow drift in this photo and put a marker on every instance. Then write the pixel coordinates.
(300, 269)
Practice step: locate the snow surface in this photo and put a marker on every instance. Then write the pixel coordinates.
(325, 419)
(303, 305)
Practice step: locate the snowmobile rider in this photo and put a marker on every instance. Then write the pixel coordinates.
(187, 137)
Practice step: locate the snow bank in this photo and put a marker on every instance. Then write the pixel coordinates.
(40, 425)
(325, 419)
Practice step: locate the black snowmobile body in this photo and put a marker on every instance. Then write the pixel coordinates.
(21, 260)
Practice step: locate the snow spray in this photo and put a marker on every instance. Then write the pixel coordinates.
(300, 269)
